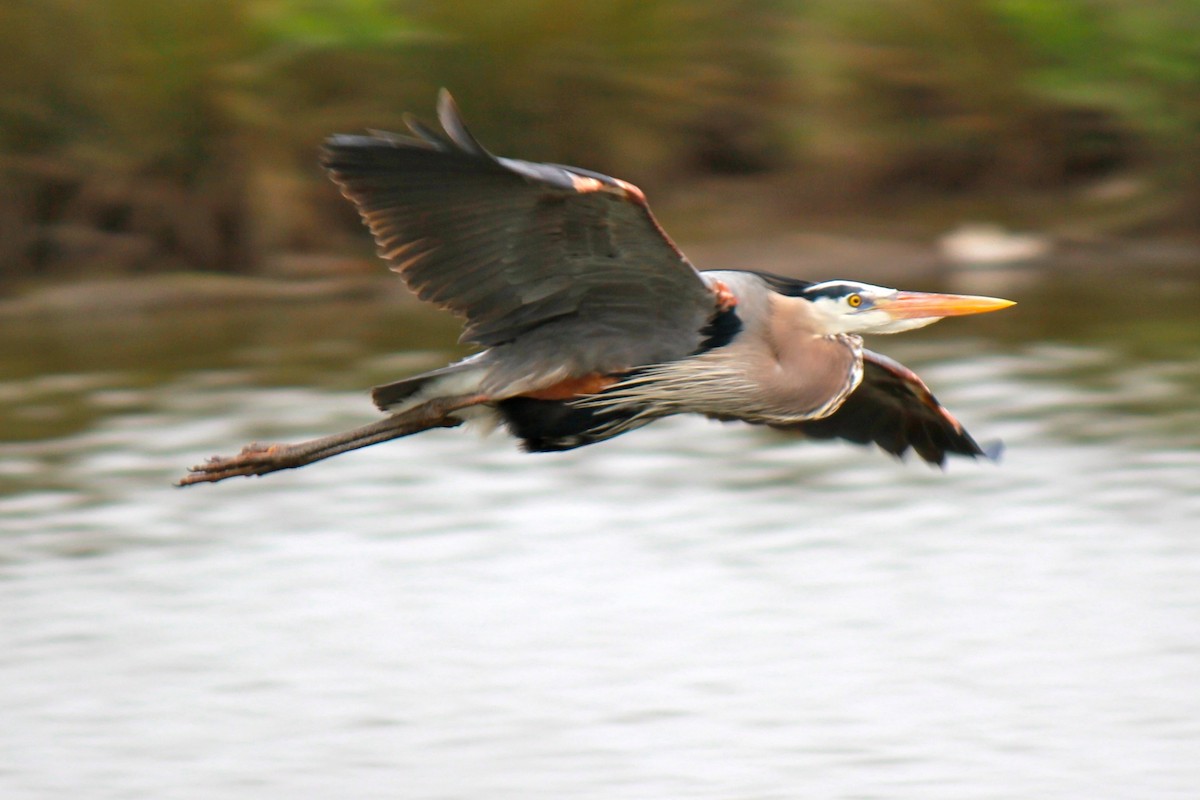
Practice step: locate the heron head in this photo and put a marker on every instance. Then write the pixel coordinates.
(854, 307)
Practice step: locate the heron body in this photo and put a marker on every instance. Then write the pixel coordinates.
(591, 322)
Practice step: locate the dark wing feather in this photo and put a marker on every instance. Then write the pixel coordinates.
(894, 408)
(513, 246)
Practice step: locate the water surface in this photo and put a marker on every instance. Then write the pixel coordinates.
(695, 610)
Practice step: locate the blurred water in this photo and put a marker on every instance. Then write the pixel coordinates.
(692, 611)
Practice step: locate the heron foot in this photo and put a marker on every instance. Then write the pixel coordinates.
(259, 459)
(254, 459)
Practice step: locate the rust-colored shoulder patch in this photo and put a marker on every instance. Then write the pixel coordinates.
(726, 299)
(586, 185)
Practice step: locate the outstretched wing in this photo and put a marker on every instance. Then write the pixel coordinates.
(513, 246)
(894, 408)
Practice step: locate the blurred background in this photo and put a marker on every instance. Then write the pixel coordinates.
(139, 137)
(692, 611)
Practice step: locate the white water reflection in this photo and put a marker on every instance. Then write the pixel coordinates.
(692, 611)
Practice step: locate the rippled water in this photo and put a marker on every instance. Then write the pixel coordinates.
(692, 611)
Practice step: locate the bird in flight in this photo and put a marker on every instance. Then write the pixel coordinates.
(592, 323)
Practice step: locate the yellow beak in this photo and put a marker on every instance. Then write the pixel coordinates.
(917, 305)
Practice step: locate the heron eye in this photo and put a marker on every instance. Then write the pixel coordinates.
(855, 300)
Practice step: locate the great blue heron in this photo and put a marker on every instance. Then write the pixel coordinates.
(593, 323)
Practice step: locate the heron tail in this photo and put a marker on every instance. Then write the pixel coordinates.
(455, 379)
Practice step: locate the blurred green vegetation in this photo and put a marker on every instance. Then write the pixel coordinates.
(142, 136)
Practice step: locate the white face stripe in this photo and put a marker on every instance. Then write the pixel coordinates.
(851, 286)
